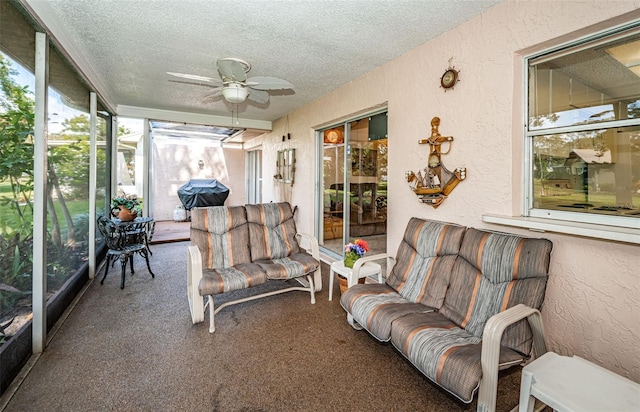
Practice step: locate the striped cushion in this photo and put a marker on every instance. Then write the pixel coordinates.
(493, 272)
(228, 279)
(424, 261)
(376, 306)
(222, 235)
(290, 267)
(445, 353)
(272, 230)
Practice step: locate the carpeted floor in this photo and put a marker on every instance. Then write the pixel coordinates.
(137, 350)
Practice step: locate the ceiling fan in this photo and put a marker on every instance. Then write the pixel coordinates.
(233, 83)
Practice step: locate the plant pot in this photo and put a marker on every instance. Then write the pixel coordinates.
(350, 259)
(342, 281)
(124, 214)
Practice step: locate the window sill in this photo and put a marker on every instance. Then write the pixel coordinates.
(602, 232)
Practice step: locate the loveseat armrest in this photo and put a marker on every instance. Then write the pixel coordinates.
(491, 339)
(310, 244)
(194, 274)
(363, 260)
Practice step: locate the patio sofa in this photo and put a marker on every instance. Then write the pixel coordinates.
(239, 247)
(459, 304)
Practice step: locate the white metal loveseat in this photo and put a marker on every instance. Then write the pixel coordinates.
(239, 247)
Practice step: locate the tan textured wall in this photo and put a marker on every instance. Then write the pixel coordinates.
(175, 163)
(593, 301)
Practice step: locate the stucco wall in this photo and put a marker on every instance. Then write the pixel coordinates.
(592, 307)
(175, 163)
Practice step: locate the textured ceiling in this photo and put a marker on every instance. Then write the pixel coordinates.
(126, 46)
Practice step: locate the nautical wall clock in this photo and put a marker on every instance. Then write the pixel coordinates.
(450, 77)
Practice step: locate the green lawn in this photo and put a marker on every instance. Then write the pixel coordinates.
(5, 189)
(9, 221)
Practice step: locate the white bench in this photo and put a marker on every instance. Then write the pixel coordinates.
(573, 384)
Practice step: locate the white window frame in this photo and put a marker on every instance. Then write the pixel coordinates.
(606, 227)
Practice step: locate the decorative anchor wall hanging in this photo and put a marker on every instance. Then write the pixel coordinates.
(434, 183)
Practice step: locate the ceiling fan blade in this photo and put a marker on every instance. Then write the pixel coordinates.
(269, 83)
(231, 70)
(195, 77)
(212, 96)
(211, 86)
(258, 96)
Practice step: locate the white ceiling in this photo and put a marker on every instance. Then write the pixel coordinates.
(126, 47)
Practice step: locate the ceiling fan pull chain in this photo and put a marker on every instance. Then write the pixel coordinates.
(237, 119)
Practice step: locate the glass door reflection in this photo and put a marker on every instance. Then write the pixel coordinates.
(354, 184)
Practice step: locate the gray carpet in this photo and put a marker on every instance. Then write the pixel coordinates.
(137, 350)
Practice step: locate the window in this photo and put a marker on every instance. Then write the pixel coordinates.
(16, 192)
(68, 172)
(66, 239)
(583, 131)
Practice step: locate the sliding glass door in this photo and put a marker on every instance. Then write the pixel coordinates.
(333, 177)
(353, 198)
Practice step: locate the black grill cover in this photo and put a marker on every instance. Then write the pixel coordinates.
(202, 192)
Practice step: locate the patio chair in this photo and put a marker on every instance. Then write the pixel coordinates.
(140, 232)
(151, 226)
(122, 246)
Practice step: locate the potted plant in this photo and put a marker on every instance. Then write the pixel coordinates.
(352, 252)
(126, 207)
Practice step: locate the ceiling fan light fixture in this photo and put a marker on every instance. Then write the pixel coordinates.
(235, 93)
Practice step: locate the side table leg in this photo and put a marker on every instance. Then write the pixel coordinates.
(331, 275)
(526, 400)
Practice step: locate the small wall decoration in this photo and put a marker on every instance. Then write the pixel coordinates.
(434, 183)
(450, 77)
(286, 166)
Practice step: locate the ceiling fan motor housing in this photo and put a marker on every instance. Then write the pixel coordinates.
(235, 93)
